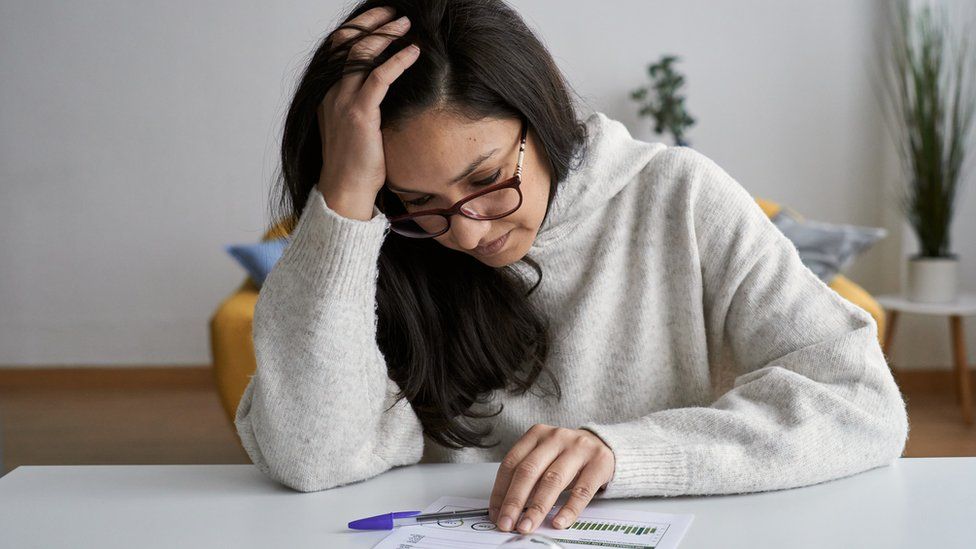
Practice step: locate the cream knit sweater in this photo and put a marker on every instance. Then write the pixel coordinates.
(686, 334)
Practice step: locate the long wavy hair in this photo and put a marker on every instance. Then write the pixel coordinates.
(452, 329)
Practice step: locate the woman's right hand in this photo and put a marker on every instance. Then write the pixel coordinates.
(353, 166)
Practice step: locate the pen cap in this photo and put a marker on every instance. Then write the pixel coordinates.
(380, 522)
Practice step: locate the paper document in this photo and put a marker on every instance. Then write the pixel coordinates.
(595, 527)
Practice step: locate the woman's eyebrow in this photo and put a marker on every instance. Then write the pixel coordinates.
(467, 171)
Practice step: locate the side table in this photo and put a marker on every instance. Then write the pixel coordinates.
(965, 305)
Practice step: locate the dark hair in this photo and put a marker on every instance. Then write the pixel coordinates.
(452, 329)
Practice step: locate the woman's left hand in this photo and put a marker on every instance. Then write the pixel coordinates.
(540, 465)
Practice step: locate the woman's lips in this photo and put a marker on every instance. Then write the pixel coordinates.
(494, 247)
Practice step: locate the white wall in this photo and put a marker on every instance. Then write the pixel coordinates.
(135, 141)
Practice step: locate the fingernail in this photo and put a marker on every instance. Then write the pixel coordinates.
(401, 20)
(525, 525)
(505, 524)
(559, 522)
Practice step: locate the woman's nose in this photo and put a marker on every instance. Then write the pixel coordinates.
(467, 232)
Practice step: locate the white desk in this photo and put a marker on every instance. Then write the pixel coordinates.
(922, 502)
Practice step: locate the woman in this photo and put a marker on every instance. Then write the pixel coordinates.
(685, 347)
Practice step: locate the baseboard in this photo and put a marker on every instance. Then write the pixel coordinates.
(108, 377)
(929, 380)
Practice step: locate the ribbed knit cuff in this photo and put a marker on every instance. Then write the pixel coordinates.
(333, 251)
(645, 465)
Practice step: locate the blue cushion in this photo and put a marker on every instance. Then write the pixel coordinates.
(258, 259)
(826, 248)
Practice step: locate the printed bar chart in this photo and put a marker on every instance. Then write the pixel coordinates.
(612, 527)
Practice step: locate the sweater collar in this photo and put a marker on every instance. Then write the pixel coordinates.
(612, 159)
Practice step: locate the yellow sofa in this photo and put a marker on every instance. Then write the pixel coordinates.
(231, 347)
(233, 351)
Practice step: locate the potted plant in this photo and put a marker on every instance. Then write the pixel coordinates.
(931, 101)
(666, 107)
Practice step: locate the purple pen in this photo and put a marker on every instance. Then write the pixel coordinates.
(387, 521)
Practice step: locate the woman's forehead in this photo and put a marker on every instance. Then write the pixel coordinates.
(436, 148)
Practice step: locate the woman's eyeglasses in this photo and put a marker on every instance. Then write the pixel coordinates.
(494, 202)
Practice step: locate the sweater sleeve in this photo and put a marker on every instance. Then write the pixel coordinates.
(813, 398)
(314, 414)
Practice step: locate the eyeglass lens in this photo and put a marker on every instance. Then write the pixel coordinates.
(493, 205)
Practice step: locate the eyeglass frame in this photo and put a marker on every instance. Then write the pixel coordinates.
(515, 182)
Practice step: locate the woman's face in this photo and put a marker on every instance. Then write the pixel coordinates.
(431, 149)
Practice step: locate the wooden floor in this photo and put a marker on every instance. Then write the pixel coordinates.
(172, 415)
(114, 416)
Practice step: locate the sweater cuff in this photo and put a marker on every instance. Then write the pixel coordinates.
(334, 251)
(645, 465)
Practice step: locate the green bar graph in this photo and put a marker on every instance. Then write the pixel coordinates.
(606, 526)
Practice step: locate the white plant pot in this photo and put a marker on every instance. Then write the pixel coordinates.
(933, 279)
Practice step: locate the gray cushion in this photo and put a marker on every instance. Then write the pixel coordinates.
(826, 248)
